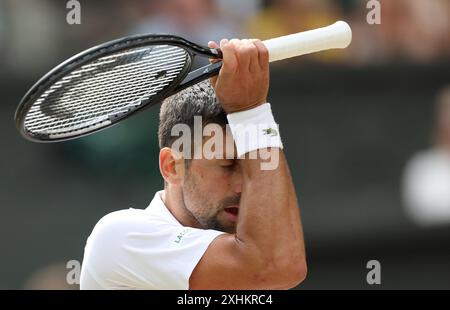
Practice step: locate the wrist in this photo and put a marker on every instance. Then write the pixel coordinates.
(234, 108)
(254, 129)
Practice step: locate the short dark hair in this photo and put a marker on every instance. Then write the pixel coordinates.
(197, 100)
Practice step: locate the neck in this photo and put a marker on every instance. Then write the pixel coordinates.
(173, 199)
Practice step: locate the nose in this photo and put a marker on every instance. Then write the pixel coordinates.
(237, 181)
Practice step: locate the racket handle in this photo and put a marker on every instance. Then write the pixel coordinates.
(337, 35)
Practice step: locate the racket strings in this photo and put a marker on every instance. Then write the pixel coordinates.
(110, 85)
(106, 78)
(113, 90)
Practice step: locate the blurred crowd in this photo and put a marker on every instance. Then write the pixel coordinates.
(35, 34)
(426, 179)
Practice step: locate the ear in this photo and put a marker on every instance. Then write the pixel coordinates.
(171, 166)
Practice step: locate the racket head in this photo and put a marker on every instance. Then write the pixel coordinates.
(103, 85)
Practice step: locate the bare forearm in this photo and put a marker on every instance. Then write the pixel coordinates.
(269, 217)
(267, 251)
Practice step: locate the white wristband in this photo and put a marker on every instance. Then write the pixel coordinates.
(254, 129)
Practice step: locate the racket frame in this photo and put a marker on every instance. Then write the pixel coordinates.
(185, 78)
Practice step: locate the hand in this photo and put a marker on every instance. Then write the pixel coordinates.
(243, 80)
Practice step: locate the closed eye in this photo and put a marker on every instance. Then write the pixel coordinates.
(230, 165)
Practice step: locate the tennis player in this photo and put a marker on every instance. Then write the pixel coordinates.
(219, 223)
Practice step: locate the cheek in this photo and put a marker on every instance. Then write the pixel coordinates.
(195, 196)
(211, 177)
(222, 179)
(211, 184)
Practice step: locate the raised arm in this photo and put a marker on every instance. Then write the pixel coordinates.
(267, 251)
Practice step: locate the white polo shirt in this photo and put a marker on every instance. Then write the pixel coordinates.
(142, 249)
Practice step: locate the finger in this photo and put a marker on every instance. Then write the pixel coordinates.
(254, 57)
(263, 54)
(229, 59)
(213, 44)
(223, 42)
(243, 55)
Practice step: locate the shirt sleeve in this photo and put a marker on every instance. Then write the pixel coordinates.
(134, 252)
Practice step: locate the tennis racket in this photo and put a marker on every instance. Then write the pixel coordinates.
(108, 83)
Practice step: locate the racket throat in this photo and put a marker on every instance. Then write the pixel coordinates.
(199, 75)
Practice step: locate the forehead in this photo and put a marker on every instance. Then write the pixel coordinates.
(223, 145)
(216, 145)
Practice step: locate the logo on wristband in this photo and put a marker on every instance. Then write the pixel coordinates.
(270, 131)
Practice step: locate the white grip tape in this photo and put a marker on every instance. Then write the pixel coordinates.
(337, 35)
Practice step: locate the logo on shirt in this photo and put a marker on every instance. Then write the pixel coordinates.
(270, 131)
(180, 235)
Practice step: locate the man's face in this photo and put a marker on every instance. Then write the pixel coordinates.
(211, 192)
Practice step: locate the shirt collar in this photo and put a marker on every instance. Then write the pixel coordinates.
(157, 206)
